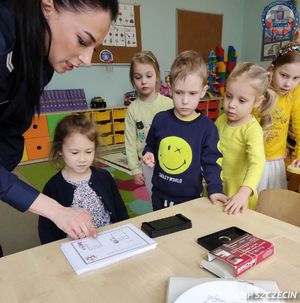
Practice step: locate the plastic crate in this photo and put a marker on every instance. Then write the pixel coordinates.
(104, 128)
(213, 104)
(106, 140)
(102, 116)
(202, 105)
(119, 113)
(119, 126)
(119, 138)
(213, 114)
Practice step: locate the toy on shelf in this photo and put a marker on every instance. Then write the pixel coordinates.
(221, 69)
(231, 60)
(165, 87)
(98, 102)
(211, 79)
(129, 97)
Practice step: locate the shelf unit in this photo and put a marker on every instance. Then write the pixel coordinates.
(38, 138)
(211, 107)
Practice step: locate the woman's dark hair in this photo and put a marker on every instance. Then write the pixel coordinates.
(31, 29)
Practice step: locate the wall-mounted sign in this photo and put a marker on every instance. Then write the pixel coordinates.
(106, 56)
(280, 19)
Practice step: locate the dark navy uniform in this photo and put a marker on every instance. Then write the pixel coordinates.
(15, 115)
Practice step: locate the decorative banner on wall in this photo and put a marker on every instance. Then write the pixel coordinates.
(280, 19)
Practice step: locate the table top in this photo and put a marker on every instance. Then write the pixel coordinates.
(43, 274)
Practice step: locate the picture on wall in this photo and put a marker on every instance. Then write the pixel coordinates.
(271, 44)
(280, 20)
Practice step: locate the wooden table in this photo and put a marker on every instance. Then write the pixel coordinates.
(43, 274)
(294, 178)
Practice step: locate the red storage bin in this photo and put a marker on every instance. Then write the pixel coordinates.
(202, 105)
(213, 104)
(213, 114)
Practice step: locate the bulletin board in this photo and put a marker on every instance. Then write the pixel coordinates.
(122, 54)
(198, 31)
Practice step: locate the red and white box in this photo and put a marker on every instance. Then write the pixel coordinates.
(237, 256)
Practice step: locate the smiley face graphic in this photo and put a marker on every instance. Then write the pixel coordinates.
(174, 155)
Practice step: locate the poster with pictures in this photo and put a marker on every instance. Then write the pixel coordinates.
(130, 34)
(271, 44)
(122, 31)
(126, 15)
(280, 20)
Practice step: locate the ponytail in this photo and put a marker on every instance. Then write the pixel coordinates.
(265, 110)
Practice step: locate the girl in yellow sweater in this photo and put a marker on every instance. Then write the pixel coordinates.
(285, 72)
(241, 136)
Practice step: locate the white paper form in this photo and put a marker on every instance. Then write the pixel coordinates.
(109, 247)
(109, 244)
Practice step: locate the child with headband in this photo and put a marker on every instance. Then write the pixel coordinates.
(145, 77)
(241, 136)
(285, 72)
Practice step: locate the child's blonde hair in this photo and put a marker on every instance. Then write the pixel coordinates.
(76, 123)
(259, 79)
(145, 57)
(186, 63)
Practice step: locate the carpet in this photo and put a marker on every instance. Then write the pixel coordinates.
(117, 160)
(135, 197)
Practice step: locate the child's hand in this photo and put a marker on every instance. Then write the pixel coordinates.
(296, 163)
(148, 159)
(138, 179)
(238, 202)
(214, 198)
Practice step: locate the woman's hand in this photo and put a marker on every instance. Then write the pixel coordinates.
(76, 222)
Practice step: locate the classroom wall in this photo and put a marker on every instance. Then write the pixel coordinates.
(158, 25)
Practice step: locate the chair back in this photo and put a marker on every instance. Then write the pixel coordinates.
(281, 204)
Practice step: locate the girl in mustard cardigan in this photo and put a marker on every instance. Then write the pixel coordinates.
(285, 71)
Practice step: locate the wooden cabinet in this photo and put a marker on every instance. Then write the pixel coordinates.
(38, 138)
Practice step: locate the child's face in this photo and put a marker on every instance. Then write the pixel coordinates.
(144, 78)
(285, 77)
(186, 95)
(240, 99)
(78, 153)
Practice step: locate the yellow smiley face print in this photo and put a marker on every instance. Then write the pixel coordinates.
(174, 155)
